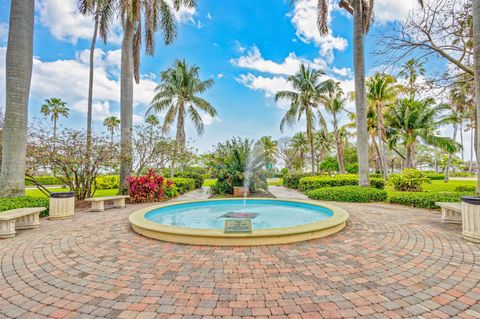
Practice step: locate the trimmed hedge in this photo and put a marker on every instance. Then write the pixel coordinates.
(108, 182)
(465, 188)
(198, 178)
(424, 199)
(183, 184)
(315, 182)
(435, 176)
(8, 203)
(353, 194)
(45, 180)
(292, 180)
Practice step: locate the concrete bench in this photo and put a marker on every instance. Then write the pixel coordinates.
(20, 218)
(98, 203)
(451, 212)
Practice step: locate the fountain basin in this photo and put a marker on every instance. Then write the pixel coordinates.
(274, 221)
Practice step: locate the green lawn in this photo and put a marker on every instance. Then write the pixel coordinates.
(209, 181)
(275, 183)
(99, 193)
(440, 186)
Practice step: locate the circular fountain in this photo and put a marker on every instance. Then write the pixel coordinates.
(239, 222)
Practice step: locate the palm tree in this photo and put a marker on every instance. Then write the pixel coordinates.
(18, 77)
(55, 108)
(362, 12)
(300, 146)
(103, 12)
(411, 120)
(334, 102)
(269, 149)
(304, 101)
(178, 94)
(382, 91)
(476, 51)
(158, 14)
(153, 121)
(112, 123)
(323, 144)
(410, 71)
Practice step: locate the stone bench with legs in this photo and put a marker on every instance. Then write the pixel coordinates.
(98, 203)
(20, 218)
(451, 212)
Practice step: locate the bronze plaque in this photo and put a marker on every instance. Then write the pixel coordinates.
(238, 226)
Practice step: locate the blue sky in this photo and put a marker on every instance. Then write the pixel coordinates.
(249, 47)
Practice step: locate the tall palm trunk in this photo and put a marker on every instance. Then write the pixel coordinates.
(472, 142)
(90, 89)
(180, 138)
(309, 119)
(126, 105)
(450, 156)
(341, 163)
(476, 51)
(360, 92)
(54, 134)
(18, 77)
(461, 140)
(381, 145)
(409, 156)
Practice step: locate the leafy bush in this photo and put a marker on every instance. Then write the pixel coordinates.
(183, 184)
(8, 203)
(355, 194)
(292, 180)
(329, 164)
(45, 180)
(352, 168)
(434, 176)
(423, 199)
(465, 188)
(315, 182)
(284, 171)
(222, 188)
(108, 182)
(197, 178)
(411, 180)
(150, 188)
(462, 174)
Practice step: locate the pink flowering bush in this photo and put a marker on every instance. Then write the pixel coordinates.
(150, 188)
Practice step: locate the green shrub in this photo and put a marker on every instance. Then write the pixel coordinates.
(462, 174)
(315, 182)
(45, 180)
(183, 184)
(284, 171)
(108, 182)
(434, 176)
(355, 194)
(423, 199)
(170, 192)
(352, 168)
(197, 178)
(466, 188)
(411, 180)
(8, 203)
(222, 188)
(292, 180)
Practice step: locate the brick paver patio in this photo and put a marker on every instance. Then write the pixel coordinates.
(390, 262)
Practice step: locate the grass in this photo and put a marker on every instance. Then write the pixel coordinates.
(440, 186)
(209, 181)
(98, 193)
(275, 182)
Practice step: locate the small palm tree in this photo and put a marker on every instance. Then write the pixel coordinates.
(268, 147)
(55, 108)
(303, 102)
(410, 71)
(411, 120)
(178, 94)
(153, 121)
(112, 123)
(334, 102)
(300, 146)
(382, 92)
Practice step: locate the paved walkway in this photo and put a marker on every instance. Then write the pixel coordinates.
(286, 193)
(390, 262)
(198, 194)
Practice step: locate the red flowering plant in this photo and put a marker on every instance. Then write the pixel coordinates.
(150, 188)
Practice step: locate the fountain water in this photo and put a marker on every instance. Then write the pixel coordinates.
(252, 160)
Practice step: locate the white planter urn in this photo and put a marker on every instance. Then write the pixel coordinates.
(62, 205)
(471, 218)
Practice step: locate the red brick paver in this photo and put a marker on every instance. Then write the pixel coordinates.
(390, 262)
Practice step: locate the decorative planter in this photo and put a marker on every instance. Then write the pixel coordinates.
(471, 218)
(241, 192)
(62, 205)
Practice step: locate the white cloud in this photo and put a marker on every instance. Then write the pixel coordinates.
(3, 32)
(344, 72)
(393, 10)
(68, 80)
(304, 18)
(268, 85)
(65, 22)
(254, 61)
